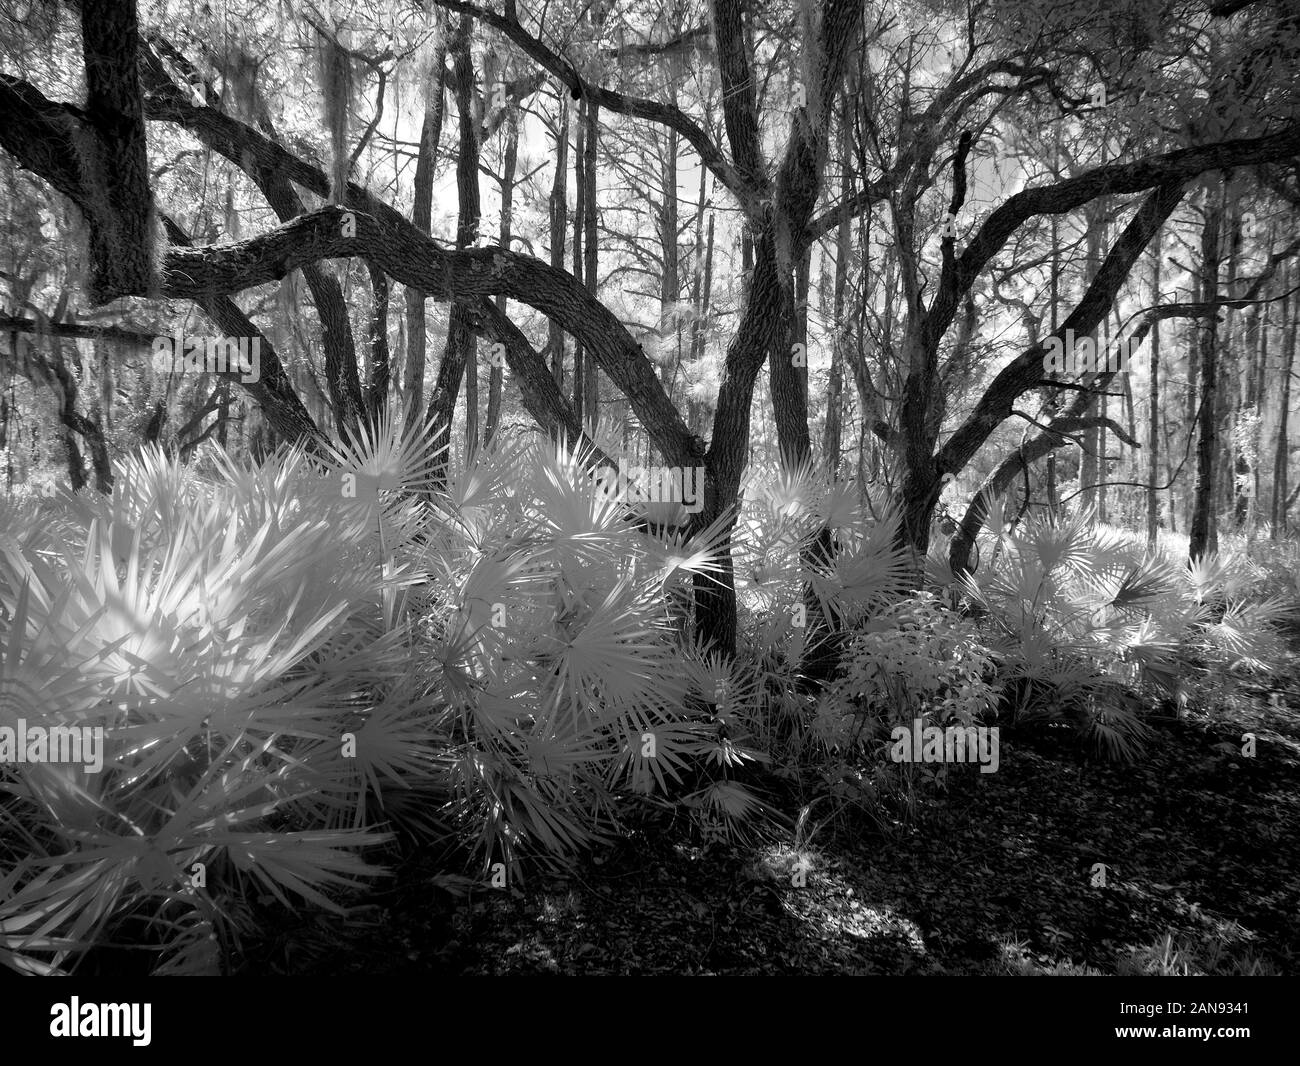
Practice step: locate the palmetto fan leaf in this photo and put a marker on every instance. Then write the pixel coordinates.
(1154, 656)
(604, 662)
(41, 676)
(868, 570)
(493, 481)
(1117, 730)
(508, 813)
(389, 746)
(303, 862)
(1247, 632)
(1153, 578)
(790, 493)
(1208, 575)
(655, 756)
(672, 557)
(56, 906)
(725, 684)
(382, 458)
(574, 513)
(731, 803)
(1066, 545)
(155, 498)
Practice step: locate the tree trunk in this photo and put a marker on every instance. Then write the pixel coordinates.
(421, 218)
(1153, 426)
(695, 409)
(113, 164)
(461, 338)
(666, 222)
(835, 393)
(1054, 294)
(1090, 463)
(591, 253)
(697, 299)
(559, 210)
(76, 466)
(380, 369)
(579, 234)
(496, 378)
(1201, 535)
(1282, 452)
(788, 373)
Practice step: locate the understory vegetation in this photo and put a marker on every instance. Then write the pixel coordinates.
(311, 669)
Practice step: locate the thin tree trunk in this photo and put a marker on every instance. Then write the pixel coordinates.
(1153, 426)
(559, 210)
(706, 306)
(1282, 452)
(670, 276)
(1103, 411)
(1055, 296)
(579, 233)
(421, 218)
(459, 352)
(591, 257)
(1236, 400)
(380, 368)
(835, 392)
(697, 299)
(497, 375)
(1089, 461)
(1201, 534)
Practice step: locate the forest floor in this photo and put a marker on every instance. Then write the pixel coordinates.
(996, 876)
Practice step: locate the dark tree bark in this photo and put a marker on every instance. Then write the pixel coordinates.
(421, 215)
(1201, 540)
(76, 465)
(591, 256)
(111, 153)
(843, 251)
(1153, 425)
(273, 391)
(459, 353)
(788, 371)
(380, 370)
(496, 376)
(666, 223)
(1282, 450)
(1090, 463)
(559, 211)
(579, 239)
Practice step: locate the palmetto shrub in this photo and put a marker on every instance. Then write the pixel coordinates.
(1090, 627)
(294, 659)
(815, 562)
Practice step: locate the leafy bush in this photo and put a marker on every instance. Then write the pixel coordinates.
(294, 659)
(1089, 627)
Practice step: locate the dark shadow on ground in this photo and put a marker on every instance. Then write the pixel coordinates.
(997, 875)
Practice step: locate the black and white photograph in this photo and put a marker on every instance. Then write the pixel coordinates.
(675, 488)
